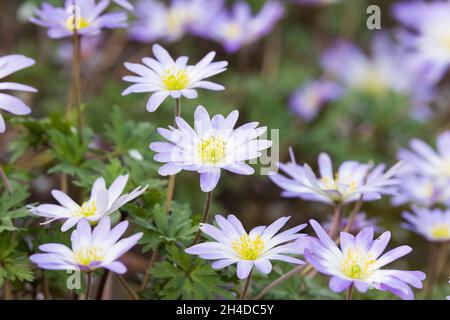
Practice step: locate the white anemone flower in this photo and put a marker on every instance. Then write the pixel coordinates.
(257, 248)
(433, 224)
(352, 181)
(100, 248)
(213, 144)
(166, 77)
(102, 202)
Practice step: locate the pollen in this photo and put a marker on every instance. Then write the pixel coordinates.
(440, 232)
(212, 150)
(175, 79)
(357, 264)
(77, 23)
(247, 248)
(86, 256)
(88, 209)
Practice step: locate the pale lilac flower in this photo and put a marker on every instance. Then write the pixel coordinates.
(422, 191)
(240, 27)
(156, 21)
(429, 28)
(257, 248)
(359, 260)
(8, 65)
(102, 202)
(422, 159)
(90, 250)
(124, 3)
(166, 77)
(414, 77)
(317, 2)
(87, 18)
(352, 181)
(360, 222)
(213, 144)
(433, 224)
(308, 100)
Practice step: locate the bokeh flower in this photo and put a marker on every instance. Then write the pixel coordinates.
(239, 27)
(433, 224)
(86, 17)
(428, 26)
(90, 249)
(422, 159)
(156, 20)
(359, 260)
(254, 249)
(124, 3)
(8, 65)
(213, 144)
(308, 100)
(102, 202)
(168, 77)
(352, 181)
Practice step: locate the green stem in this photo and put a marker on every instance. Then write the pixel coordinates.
(205, 216)
(128, 288)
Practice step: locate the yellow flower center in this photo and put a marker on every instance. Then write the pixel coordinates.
(175, 79)
(86, 256)
(357, 263)
(87, 209)
(77, 23)
(247, 248)
(333, 184)
(441, 232)
(373, 81)
(232, 31)
(212, 150)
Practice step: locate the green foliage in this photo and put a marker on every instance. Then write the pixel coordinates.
(14, 263)
(12, 206)
(187, 277)
(166, 229)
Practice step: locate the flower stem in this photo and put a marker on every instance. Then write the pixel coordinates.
(334, 229)
(102, 284)
(5, 180)
(349, 292)
(171, 184)
(128, 288)
(205, 216)
(246, 286)
(437, 264)
(89, 285)
(147, 271)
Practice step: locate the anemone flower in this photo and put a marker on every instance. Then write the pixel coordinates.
(424, 160)
(8, 65)
(102, 202)
(239, 27)
(433, 224)
(352, 181)
(90, 250)
(213, 144)
(167, 77)
(257, 248)
(358, 262)
(83, 16)
(308, 100)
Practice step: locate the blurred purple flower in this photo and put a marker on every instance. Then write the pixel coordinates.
(8, 65)
(84, 16)
(254, 249)
(212, 145)
(360, 222)
(308, 100)
(428, 25)
(91, 249)
(316, 2)
(414, 77)
(352, 181)
(359, 260)
(124, 3)
(156, 21)
(239, 27)
(90, 51)
(423, 160)
(433, 224)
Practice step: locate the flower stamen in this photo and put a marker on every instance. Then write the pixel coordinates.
(247, 248)
(212, 150)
